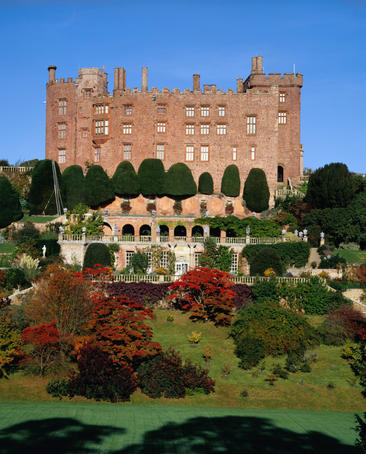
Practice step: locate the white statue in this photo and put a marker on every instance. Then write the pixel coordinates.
(44, 250)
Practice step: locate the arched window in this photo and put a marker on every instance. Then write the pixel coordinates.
(128, 229)
(280, 174)
(180, 231)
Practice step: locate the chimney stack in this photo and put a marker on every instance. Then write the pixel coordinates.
(254, 65)
(144, 79)
(239, 85)
(52, 73)
(257, 65)
(122, 78)
(196, 82)
(116, 78)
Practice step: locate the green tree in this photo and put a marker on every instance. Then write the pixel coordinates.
(256, 191)
(97, 254)
(331, 186)
(10, 209)
(205, 184)
(179, 182)
(98, 188)
(151, 175)
(215, 257)
(73, 179)
(266, 258)
(125, 181)
(139, 262)
(230, 183)
(41, 193)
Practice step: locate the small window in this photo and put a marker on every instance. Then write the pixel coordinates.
(234, 264)
(161, 108)
(197, 256)
(87, 93)
(101, 127)
(190, 130)
(96, 154)
(204, 152)
(189, 111)
(251, 125)
(252, 153)
(234, 154)
(189, 153)
(61, 156)
(85, 133)
(127, 151)
(160, 151)
(61, 127)
(127, 128)
(282, 118)
(62, 106)
(205, 111)
(221, 111)
(205, 129)
(164, 260)
(221, 130)
(129, 255)
(161, 126)
(100, 109)
(149, 260)
(282, 97)
(127, 109)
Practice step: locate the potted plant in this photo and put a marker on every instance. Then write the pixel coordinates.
(229, 208)
(203, 208)
(151, 206)
(126, 207)
(177, 207)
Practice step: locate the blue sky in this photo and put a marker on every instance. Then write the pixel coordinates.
(326, 39)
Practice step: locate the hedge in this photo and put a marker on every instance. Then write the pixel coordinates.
(98, 188)
(125, 181)
(230, 183)
(291, 254)
(10, 209)
(97, 254)
(205, 184)
(266, 258)
(237, 227)
(256, 191)
(73, 178)
(151, 176)
(179, 182)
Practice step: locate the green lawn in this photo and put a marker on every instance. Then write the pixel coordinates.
(7, 247)
(38, 219)
(352, 256)
(133, 429)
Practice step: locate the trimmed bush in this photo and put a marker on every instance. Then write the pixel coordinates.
(125, 181)
(73, 178)
(145, 293)
(256, 191)
(98, 188)
(179, 182)
(151, 176)
(291, 253)
(266, 258)
(250, 351)
(97, 254)
(230, 183)
(28, 233)
(205, 184)
(10, 209)
(236, 227)
(41, 193)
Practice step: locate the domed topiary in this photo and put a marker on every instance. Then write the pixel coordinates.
(97, 254)
(205, 184)
(256, 191)
(10, 209)
(179, 182)
(151, 176)
(125, 181)
(73, 179)
(98, 188)
(230, 183)
(265, 259)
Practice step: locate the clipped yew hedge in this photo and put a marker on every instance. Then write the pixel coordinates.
(230, 183)
(98, 188)
(205, 184)
(10, 209)
(179, 182)
(256, 191)
(151, 176)
(73, 178)
(96, 254)
(125, 181)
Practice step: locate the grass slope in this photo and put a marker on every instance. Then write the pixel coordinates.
(352, 256)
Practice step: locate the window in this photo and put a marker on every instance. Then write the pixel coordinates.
(205, 111)
(87, 93)
(190, 130)
(164, 260)
(62, 106)
(127, 109)
(161, 126)
(205, 129)
(129, 255)
(189, 153)
(251, 123)
(127, 128)
(282, 97)
(161, 108)
(85, 133)
(204, 152)
(101, 109)
(61, 127)
(234, 153)
(221, 111)
(127, 148)
(252, 153)
(189, 111)
(221, 130)
(96, 154)
(61, 156)
(101, 127)
(160, 151)
(282, 118)
(234, 264)
(197, 256)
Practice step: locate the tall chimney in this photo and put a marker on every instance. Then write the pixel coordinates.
(52, 73)
(196, 82)
(116, 78)
(144, 79)
(254, 65)
(260, 65)
(122, 78)
(239, 85)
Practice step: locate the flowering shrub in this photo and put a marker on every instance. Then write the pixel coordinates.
(269, 272)
(194, 338)
(343, 323)
(177, 207)
(151, 207)
(229, 209)
(29, 266)
(126, 206)
(145, 293)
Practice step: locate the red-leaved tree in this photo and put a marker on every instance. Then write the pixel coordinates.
(206, 293)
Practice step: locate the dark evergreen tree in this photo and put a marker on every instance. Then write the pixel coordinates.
(98, 188)
(10, 209)
(73, 179)
(256, 191)
(230, 183)
(179, 182)
(126, 182)
(41, 193)
(205, 184)
(266, 258)
(152, 178)
(97, 254)
(331, 186)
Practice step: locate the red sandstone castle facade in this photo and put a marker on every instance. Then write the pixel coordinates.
(258, 125)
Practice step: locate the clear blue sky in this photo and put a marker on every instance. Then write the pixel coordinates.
(326, 39)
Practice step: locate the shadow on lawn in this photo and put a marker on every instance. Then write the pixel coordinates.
(230, 434)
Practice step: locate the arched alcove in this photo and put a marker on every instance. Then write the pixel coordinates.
(180, 231)
(197, 231)
(128, 229)
(280, 174)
